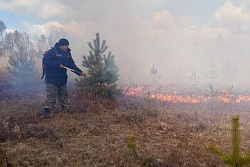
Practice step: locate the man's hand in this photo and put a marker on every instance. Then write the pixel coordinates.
(83, 74)
(62, 66)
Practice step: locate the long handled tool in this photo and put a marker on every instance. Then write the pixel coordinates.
(71, 69)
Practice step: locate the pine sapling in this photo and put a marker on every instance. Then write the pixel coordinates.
(235, 159)
(102, 70)
(131, 144)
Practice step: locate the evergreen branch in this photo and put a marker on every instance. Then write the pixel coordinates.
(104, 49)
(98, 42)
(105, 60)
(91, 46)
(245, 159)
(110, 55)
(85, 62)
(216, 150)
(103, 44)
(95, 45)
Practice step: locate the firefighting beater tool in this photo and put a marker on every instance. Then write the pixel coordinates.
(71, 69)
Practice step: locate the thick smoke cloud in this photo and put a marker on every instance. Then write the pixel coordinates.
(178, 44)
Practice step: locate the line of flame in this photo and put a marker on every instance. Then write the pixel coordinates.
(224, 96)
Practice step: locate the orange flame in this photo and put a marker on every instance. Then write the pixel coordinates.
(142, 91)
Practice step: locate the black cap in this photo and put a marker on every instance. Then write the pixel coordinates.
(63, 42)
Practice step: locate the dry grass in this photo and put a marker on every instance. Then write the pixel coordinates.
(3, 158)
(94, 132)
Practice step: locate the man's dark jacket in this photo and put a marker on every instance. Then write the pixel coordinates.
(53, 59)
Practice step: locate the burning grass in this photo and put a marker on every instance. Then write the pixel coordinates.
(174, 95)
(95, 132)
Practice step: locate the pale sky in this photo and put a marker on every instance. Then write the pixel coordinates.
(210, 37)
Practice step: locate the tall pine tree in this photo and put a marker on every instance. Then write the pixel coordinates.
(102, 70)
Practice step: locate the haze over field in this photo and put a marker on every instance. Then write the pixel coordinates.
(178, 37)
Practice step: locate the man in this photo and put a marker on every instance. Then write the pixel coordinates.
(56, 61)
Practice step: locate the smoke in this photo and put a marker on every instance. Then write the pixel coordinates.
(165, 33)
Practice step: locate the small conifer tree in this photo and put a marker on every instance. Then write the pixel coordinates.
(21, 62)
(131, 144)
(154, 71)
(235, 159)
(21, 65)
(156, 76)
(195, 79)
(102, 70)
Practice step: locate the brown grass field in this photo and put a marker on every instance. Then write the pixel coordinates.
(95, 132)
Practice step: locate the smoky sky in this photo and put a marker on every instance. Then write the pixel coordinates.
(178, 37)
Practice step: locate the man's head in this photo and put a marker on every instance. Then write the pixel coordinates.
(64, 44)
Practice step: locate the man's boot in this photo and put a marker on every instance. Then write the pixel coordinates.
(46, 113)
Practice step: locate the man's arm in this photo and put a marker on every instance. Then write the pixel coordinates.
(76, 72)
(72, 65)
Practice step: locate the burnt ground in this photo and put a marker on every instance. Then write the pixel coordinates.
(95, 132)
